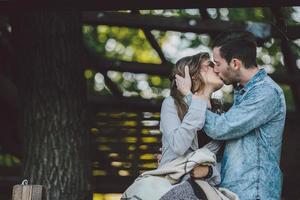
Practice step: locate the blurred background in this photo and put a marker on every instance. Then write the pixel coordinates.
(127, 58)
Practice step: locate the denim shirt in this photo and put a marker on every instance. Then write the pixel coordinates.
(253, 129)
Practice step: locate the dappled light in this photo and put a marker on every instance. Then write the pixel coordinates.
(96, 94)
(98, 196)
(129, 45)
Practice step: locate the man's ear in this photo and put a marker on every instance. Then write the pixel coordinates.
(237, 64)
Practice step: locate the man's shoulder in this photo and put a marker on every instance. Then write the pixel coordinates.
(270, 84)
(267, 86)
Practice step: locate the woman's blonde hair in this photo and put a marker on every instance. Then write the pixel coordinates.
(194, 63)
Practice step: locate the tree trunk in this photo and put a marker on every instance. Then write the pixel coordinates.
(53, 97)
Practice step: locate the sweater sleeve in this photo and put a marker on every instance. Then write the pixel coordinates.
(180, 134)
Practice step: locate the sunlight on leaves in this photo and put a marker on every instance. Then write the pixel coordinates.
(124, 173)
(97, 196)
(130, 139)
(147, 156)
(149, 139)
(99, 173)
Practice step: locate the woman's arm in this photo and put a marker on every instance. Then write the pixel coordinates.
(180, 134)
(209, 173)
(202, 171)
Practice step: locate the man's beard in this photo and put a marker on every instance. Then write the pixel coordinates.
(225, 81)
(229, 81)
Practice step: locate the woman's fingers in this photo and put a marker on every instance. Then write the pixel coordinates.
(183, 84)
(187, 72)
(158, 156)
(179, 78)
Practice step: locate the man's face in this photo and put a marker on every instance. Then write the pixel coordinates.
(222, 68)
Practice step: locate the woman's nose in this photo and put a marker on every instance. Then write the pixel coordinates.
(216, 70)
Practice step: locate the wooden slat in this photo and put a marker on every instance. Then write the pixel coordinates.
(110, 104)
(116, 91)
(109, 126)
(108, 184)
(117, 134)
(151, 39)
(129, 160)
(103, 65)
(164, 70)
(106, 103)
(155, 22)
(181, 24)
(31, 5)
(121, 119)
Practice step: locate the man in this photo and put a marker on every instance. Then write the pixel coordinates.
(253, 126)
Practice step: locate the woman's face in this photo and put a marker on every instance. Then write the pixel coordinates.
(210, 77)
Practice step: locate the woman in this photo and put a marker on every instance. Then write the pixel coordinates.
(182, 120)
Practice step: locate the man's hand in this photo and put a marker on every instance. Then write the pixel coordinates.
(184, 84)
(200, 171)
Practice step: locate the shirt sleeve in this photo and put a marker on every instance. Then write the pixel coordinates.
(257, 107)
(213, 146)
(188, 98)
(180, 134)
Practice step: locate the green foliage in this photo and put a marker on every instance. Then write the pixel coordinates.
(8, 160)
(121, 43)
(191, 13)
(250, 14)
(291, 15)
(288, 97)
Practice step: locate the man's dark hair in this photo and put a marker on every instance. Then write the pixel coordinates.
(240, 45)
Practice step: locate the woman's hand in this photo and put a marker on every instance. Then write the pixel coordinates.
(158, 156)
(200, 171)
(184, 84)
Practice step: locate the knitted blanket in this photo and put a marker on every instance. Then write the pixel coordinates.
(165, 182)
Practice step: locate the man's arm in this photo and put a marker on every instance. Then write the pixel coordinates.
(257, 107)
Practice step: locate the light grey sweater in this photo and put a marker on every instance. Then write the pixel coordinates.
(180, 137)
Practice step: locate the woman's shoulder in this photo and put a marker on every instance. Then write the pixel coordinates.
(168, 101)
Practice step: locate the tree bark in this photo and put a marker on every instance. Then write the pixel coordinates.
(52, 91)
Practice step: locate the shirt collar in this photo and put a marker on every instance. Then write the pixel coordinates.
(256, 78)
